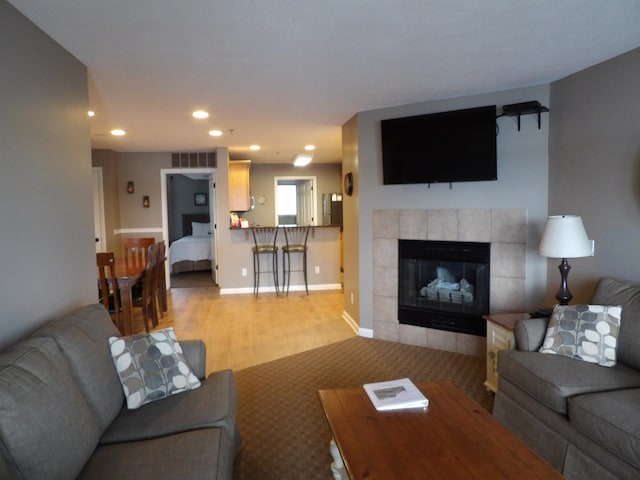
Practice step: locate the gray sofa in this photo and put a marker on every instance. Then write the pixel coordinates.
(62, 411)
(582, 418)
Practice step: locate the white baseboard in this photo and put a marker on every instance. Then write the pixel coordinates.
(366, 332)
(271, 289)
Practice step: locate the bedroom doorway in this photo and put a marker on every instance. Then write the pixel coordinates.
(186, 211)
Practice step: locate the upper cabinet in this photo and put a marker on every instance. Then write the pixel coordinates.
(239, 186)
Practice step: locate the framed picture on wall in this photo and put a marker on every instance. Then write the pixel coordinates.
(200, 199)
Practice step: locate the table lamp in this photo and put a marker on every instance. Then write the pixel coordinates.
(564, 237)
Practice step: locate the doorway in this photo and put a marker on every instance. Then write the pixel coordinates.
(295, 200)
(208, 174)
(99, 229)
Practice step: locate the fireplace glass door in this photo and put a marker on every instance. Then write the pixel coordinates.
(444, 285)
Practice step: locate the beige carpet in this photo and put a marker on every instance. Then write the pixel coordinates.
(285, 434)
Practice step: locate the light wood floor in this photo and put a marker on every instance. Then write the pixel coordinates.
(242, 330)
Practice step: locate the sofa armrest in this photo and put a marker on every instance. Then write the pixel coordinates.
(530, 333)
(195, 351)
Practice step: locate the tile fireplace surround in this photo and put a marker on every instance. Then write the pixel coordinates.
(505, 229)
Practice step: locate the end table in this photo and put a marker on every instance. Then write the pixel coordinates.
(499, 337)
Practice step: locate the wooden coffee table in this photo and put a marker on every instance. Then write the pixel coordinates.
(453, 438)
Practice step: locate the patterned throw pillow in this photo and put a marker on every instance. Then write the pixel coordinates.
(585, 332)
(151, 366)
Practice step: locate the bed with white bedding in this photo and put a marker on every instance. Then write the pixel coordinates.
(193, 251)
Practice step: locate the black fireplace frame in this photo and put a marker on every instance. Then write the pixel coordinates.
(438, 318)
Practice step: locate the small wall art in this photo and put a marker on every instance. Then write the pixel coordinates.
(200, 199)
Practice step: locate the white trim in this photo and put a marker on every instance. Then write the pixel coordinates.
(212, 172)
(366, 332)
(101, 245)
(120, 231)
(271, 289)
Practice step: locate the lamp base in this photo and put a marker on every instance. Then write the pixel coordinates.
(564, 296)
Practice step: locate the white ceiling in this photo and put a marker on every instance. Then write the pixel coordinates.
(286, 73)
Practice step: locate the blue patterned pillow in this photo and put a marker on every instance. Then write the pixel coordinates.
(151, 366)
(585, 332)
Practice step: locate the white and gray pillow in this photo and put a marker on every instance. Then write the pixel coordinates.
(151, 366)
(585, 332)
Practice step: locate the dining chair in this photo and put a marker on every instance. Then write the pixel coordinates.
(108, 292)
(264, 239)
(295, 242)
(160, 278)
(146, 299)
(135, 249)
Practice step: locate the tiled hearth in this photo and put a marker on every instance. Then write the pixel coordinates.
(505, 229)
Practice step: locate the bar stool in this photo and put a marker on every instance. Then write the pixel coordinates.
(295, 242)
(264, 239)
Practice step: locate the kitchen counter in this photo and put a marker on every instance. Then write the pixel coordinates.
(323, 260)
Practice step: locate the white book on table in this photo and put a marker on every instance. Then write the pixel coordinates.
(395, 395)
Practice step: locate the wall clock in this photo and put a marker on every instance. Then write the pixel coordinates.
(348, 183)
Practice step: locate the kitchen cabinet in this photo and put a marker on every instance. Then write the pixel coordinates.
(239, 186)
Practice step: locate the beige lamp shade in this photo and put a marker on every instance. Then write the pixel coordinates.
(564, 236)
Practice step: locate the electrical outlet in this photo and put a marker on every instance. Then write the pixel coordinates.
(244, 272)
(317, 270)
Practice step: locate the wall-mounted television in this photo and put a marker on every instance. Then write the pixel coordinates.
(454, 146)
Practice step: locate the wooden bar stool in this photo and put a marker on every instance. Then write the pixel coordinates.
(264, 239)
(295, 242)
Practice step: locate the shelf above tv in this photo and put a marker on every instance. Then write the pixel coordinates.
(525, 108)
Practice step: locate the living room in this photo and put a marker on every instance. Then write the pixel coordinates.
(583, 160)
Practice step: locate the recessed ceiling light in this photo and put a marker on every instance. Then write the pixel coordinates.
(215, 133)
(118, 132)
(91, 113)
(254, 147)
(200, 114)
(309, 148)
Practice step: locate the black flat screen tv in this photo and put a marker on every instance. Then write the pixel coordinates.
(455, 146)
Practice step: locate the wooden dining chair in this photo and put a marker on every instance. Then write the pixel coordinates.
(146, 299)
(161, 279)
(135, 249)
(108, 292)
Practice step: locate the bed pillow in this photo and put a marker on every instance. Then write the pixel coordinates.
(151, 366)
(200, 229)
(585, 332)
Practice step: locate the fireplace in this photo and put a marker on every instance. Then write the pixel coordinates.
(444, 285)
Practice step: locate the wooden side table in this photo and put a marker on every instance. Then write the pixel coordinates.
(499, 337)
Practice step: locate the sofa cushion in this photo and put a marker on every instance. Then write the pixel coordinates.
(551, 379)
(214, 404)
(611, 419)
(151, 366)
(175, 457)
(47, 430)
(83, 337)
(584, 332)
(610, 291)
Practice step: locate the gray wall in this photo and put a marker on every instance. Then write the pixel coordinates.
(522, 183)
(262, 183)
(47, 259)
(594, 152)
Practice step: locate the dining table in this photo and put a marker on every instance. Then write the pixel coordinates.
(127, 274)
